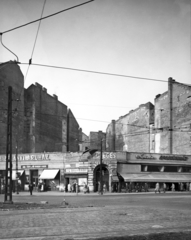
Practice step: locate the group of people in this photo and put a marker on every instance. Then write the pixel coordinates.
(180, 187)
(72, 187)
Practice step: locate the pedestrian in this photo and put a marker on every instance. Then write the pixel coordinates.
(190, 187)
(187, 186)
(157, 188)
(173, 187)
(164, 187)
(99, 187)
(104, 187)
(181, 187)
(30, 188)
(39, 186)
(137, 187)
(146, 187)
(69, 187)
(130, 187)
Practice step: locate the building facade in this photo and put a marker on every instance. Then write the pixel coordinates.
(173, 119)
(119, 170)
(40, 122)
(132, 131)
(11, 75)
(161, 128)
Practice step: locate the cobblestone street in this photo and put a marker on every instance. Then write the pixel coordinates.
(104, 222)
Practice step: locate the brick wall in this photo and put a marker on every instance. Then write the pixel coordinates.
(181, 120)
(74, 133)
(46, 124)
(131, 130)
(95, 140)
(11, 75)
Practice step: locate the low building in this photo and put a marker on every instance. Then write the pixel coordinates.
(119, 170)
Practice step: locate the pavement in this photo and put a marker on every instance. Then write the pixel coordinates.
(111, 216)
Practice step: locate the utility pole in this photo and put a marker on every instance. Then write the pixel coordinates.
(17, 174)
(101, 185)
(8, 173)
(170, 95)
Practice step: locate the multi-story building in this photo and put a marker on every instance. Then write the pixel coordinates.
(11, 75)
(131, 132)
(173, 119)
(41, 123)
(163, 128)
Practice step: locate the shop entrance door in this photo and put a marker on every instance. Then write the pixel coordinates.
(34, 178)
(105, 177)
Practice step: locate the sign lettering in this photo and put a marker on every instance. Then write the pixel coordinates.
(144, 156)
(173, 157)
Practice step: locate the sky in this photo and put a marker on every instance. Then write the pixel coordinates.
(142, 38)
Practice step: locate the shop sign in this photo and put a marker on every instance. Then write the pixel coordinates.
(144, 156)
(173, 157)
(105, 155)
(32, 157)
(76, 170)
(34, 166)
(37, 157)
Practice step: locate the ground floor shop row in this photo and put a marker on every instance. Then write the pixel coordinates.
(57, 179)
(117, 171)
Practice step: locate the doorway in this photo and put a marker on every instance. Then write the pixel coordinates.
(105, 177)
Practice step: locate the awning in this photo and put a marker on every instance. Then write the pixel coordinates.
(14, 176)
(152, 177)
(115, 179)
(49, 174)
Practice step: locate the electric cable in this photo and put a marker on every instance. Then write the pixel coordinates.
(96, 72)
(42, 18)
(19, 98)
(1, 35)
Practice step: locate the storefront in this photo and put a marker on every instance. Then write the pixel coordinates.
(140, 169)
(119, 169)
(75, 175)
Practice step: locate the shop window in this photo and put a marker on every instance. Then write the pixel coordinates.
(171, 169)
(186, 169)
(153, 168)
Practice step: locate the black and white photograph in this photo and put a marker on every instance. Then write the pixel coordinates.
(95, 119)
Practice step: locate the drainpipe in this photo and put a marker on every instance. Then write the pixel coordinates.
(170, 93)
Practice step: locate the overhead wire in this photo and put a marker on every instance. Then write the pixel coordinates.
(19, 99)
(147, 128)
(96, 72)
(48, 16)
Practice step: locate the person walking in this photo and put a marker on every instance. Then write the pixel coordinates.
(157, 188)
(30, 188)
(130, 187)
(164, 187)
(173, 187)
(104, 188)
(146, 187)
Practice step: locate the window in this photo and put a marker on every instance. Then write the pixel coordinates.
(170, 169)
(153, 168)
(186, 169)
